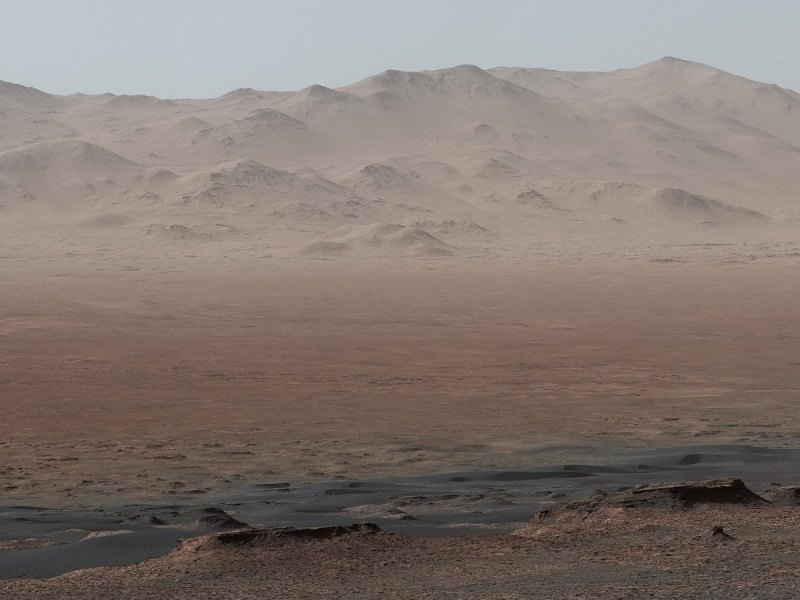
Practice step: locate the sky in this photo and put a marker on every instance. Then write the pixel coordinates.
(204, 48)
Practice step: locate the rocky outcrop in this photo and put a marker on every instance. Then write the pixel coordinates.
(260, 536)
(218, 520)
(266, 537)
(783, 496)
(665, 495)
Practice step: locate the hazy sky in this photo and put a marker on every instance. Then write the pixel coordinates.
(203, 48)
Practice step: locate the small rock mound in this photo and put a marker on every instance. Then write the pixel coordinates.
(377, 239)
(173, 231)
(105, 221)
(482, 130)
(452, 226)
(680, 205)
(496, 168)
(248, 172)
(529, 198)
(378, 177)
(273, 118)
(219, 520)
(783, 496)
(715, 535)
(318, 100)
(718, 533)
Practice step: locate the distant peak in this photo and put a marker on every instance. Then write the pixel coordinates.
(136, 100)
(462, 70)
(318, 89)
(271, 116)
(27, 94)
(241, 92)
(248, 170)
(673, 62)
(7, 85)
(468, 67)
(379, 169)
(264, 114)
(72, 152)
(321, 92)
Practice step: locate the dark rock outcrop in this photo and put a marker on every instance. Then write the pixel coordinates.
(248, 539)
(259, 536)
(719, 534)
(783, 496)
(219, 520)
(666, 495)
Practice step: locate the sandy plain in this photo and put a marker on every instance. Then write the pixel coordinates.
(137, 380)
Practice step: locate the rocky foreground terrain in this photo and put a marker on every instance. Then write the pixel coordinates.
(708, 539)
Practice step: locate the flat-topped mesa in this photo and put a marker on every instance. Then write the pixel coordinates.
(681, 495)
(257, 536)
(727, 490)
(264, 537)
